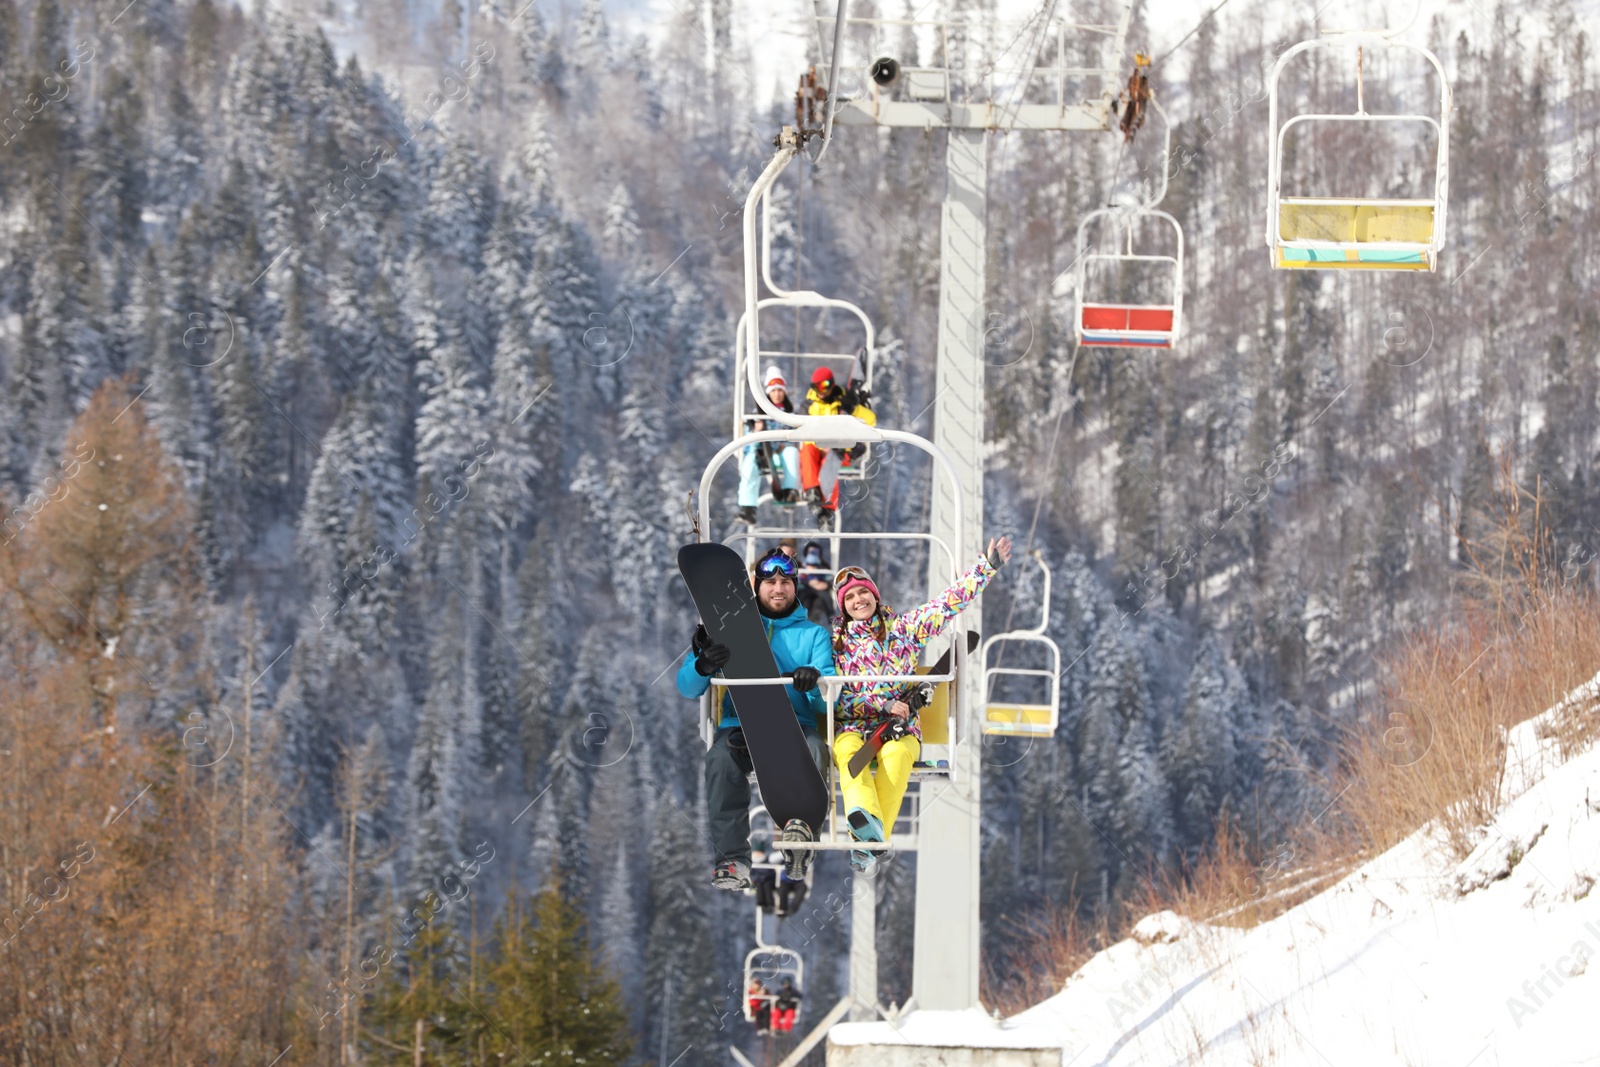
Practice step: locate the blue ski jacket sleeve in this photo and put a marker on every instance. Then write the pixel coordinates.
(796, 642)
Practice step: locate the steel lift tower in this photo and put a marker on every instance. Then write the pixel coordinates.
(1045, 84)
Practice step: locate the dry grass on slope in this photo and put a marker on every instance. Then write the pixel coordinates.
(1525, 635)
(1438, 753)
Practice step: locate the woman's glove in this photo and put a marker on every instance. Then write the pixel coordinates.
(998, 552)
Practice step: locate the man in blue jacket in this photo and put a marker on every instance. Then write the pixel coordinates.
(804, 651)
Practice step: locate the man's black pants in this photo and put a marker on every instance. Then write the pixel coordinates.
(728, 770)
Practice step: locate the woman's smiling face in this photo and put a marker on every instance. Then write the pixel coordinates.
(859, 603)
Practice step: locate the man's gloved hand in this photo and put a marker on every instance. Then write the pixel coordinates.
(805, 679)
(711, 659)
(700, 639)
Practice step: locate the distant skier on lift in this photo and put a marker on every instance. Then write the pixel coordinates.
(801, 650)
(779, 461)
(870, 638)
(760, 1006)
(785, 1007)
(816, 590)
(820, 466)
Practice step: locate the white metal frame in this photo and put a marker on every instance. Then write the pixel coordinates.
(1429, 250)
(1034, 635)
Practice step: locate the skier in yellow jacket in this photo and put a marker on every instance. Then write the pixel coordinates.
(819, 465)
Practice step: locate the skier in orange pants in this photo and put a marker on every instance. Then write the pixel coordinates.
(819, 466)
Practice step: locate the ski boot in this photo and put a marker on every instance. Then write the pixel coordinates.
(820, 509)
(746, 516)
(732, 875)
(788, 497)
(796, 861)
(864, 826)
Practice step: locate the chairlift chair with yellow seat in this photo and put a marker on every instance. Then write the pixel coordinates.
(1024, 719)
(1357, 232)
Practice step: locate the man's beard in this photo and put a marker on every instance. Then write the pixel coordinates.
(771, 614)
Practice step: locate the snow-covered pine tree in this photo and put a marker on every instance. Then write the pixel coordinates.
(1197, 754)
(683, 993)
(618, 929)
(437, 773)
(593, 42)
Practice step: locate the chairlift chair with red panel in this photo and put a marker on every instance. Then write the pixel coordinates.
(1109, 321)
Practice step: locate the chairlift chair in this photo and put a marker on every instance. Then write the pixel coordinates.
(943, 719)
(850, 365)
(772, 964)
(1024, 719)
(1357, 232)
(1122, 323)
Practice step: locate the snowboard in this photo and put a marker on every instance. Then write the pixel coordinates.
(719, 582)
(875, 740)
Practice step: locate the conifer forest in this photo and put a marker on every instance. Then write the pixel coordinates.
(357, 361)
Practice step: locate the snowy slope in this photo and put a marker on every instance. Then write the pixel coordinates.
(1411, 959)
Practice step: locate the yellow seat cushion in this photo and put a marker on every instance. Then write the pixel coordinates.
(1355, 223)
(1034, 719)
(934, 720)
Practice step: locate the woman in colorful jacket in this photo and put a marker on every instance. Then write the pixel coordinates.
(870, 638)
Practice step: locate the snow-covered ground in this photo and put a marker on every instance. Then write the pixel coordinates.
(1413, 958)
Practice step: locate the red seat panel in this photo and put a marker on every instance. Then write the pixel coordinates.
(1150, 319)
(1098, 318)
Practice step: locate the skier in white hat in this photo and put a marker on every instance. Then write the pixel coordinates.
(777, 461)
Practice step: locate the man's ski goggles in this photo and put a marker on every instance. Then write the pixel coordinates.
(777, 564)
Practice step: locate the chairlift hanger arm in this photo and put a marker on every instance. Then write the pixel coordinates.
(829, 105)
(788, 147)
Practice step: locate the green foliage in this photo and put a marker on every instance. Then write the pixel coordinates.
(422, 1003)
(552, 999)
(543, 996)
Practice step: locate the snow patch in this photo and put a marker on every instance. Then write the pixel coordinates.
(1414, 957)
(1164, 927)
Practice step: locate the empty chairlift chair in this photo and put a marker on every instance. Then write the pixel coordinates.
(1012, 718)
(1358, 232)
(1108, 319)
